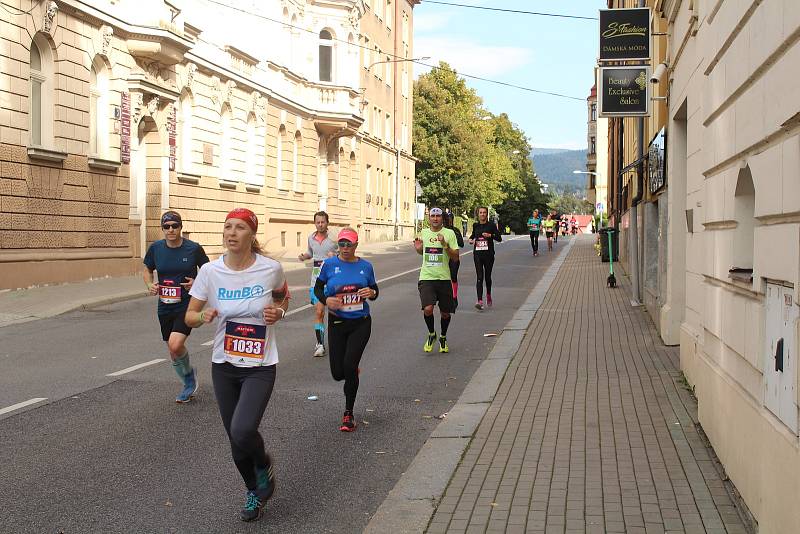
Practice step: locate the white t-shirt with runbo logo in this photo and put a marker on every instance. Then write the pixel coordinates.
(242, 338)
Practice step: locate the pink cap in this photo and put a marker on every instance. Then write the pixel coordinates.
(349, 235)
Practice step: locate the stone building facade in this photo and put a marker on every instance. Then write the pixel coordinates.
(387, 79)
(734, 160)
(112, 113)
(725, 231)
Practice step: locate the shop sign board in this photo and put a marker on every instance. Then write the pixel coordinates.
(624, 91)
(625, 34)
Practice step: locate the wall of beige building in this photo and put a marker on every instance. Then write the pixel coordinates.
(734, 144)
(387, 80)
(260, 135)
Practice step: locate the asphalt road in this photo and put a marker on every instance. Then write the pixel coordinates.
(116, 454)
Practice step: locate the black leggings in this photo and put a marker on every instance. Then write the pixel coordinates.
(535, 240)
(454, 265)
(242, 394)
(483, 269)
(347, 339)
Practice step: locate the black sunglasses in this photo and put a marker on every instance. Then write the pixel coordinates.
(345, 244)
(170, 226)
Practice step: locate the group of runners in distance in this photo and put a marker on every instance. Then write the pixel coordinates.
(245, 294)
(550, 225)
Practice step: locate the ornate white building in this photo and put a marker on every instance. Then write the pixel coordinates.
(113, 113)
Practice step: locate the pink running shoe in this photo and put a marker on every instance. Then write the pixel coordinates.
(489, 300)
(479, 305)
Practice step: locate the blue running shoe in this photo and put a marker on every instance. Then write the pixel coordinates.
(189, 388)
(253, 507)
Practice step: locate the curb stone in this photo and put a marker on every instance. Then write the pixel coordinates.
(411, 503)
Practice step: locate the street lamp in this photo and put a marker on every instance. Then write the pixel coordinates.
(397, 146)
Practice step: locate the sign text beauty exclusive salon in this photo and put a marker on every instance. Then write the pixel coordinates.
(624, 91)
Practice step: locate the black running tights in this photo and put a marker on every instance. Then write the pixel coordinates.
(483, 270)
(347, 339)
(242, 394)
(535, 241)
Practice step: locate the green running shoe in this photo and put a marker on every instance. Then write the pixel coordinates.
(428, 346)
(443, 344)
(253, 508)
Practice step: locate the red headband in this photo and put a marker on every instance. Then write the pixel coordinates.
(246, 215)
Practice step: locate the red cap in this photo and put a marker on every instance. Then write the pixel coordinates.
(246, 215)
(349, 235)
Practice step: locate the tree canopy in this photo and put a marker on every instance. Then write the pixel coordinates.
(469, 157)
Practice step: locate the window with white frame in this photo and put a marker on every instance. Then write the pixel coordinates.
(251, 176)
(226, 146)
(297, 148)
(98, 109)
(366, 52)
(344, 174)
(368, 189)
(389, 8)
(389, 67)
(388, 128)
(41, 92)
(325, 56)
(353, 167)
(279, 157)
(185, 133)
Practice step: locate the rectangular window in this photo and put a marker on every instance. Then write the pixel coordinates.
(367, 52)
(592, 145)
(594, 112)
(389, 128)
(325, 63)
(389, 67)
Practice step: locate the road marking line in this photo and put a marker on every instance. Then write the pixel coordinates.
(135, 367)
(21, 405)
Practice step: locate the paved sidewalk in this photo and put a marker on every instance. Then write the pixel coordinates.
(22, 305)
(590, 430)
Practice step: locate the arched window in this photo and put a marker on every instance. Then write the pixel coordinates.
(297, 148)
(280, 156)
(744, 206)
(41, 96)
(226, 146)
(344, 174)
(98, 108)
(353, 173)
(325, 56)
(252, 168)
(185, 133)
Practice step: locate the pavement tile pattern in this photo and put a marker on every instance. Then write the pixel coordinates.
(591, 429)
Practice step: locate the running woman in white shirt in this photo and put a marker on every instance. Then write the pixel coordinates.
(246, 293)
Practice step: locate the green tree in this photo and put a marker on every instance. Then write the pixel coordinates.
(460, 164)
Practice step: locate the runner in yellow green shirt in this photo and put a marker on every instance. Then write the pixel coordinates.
(437, 245)
(550, 228)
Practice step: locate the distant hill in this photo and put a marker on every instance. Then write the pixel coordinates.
(555, 166)
(547, 151)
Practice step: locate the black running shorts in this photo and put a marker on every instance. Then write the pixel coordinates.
(437, 291)
(173, 322)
